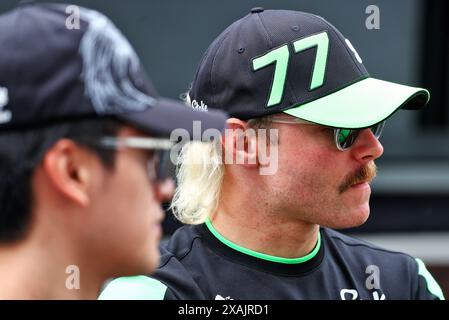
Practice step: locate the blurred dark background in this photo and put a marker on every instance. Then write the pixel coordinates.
(410, 201)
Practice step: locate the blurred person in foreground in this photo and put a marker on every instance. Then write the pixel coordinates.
(83, 145)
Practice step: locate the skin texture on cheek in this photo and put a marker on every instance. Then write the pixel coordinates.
(142, 212)
(307, 184)
(128, 215)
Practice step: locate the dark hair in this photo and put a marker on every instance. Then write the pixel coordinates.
(20, 153)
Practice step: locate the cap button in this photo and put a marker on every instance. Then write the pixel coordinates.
(257, 10)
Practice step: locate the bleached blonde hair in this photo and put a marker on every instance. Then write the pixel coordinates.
(199, 174)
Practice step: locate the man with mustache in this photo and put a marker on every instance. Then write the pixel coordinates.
(268, 234)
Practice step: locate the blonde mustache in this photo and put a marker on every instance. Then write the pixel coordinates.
(366, 173)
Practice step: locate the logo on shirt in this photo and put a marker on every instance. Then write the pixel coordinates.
(352, 294)
(372, 282)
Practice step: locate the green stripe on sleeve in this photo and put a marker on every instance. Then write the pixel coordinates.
(432, 285)
(134, 288)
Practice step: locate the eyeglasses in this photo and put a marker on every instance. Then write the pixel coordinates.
(158, 165)
(344, 138)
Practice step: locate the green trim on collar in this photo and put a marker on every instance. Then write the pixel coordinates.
(262, 255)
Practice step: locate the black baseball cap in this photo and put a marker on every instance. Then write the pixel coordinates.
(273, 61)
(54, 69)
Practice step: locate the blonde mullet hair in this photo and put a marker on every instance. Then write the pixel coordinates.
(199, 174)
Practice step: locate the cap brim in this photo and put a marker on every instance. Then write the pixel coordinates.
(361, 104)
(168, 115)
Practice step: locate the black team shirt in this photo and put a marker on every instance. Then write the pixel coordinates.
(198, 263)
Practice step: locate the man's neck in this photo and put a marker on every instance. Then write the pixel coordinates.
(249, 223)
(245, 217)
(30, 271)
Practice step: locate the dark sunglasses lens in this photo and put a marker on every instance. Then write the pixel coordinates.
(346, 137)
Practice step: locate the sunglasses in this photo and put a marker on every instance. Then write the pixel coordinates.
(159, 166)
(344, 138)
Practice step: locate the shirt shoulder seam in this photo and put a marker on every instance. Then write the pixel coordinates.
(372, 247)
(183, 255)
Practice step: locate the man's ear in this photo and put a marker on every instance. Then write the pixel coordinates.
(65, 166)
(239, 143)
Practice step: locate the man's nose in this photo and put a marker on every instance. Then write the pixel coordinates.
(367, 147)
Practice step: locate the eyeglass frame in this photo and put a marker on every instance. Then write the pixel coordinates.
(157, 162)
(337, 131)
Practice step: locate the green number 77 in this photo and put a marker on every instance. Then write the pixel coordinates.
(280, 57)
